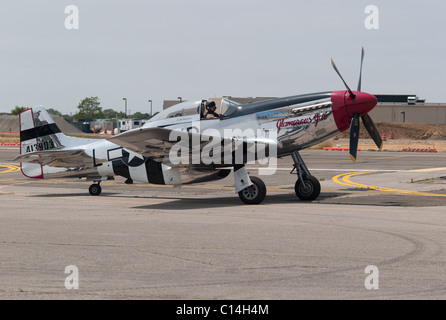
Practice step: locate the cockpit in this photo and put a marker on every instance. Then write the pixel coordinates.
(198, 108)
(229, 108)
(183, 109)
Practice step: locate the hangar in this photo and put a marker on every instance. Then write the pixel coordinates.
(408, 108)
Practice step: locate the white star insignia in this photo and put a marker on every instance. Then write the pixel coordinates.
(133, 155)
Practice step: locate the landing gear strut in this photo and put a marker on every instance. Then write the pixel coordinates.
(251, 190)
(95, 189)
(307, 187)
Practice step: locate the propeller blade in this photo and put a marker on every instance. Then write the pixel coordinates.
(360, 70)
(354, 136)
(345, 84)
(373, 132)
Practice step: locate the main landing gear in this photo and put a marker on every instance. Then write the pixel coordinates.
(307, 187)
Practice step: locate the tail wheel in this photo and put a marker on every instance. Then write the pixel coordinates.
(95, 189)
(308, 189)
(255, 193)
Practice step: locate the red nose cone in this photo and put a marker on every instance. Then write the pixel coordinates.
(363, 103)
(344, 106)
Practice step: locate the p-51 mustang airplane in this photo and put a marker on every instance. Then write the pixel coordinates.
(161, 151)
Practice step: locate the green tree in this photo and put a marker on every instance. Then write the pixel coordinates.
(111, 114)
(139, 115)
(53, 111)
(17, 110)
(68, 117)
(89, 108)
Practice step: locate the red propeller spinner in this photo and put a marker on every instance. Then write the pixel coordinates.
(348, 106)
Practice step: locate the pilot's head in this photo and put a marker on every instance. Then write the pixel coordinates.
(211, 105)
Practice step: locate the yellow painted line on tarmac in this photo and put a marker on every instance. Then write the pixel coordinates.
(345, 177)
(9, 168)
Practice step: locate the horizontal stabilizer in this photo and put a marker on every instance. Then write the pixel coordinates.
(57, 158)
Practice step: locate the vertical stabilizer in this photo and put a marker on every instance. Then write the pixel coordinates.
(38, 132)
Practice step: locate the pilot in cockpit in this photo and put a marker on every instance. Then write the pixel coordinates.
(211, 114)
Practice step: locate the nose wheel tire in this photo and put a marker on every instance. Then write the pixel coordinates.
(95, 189)
(308, 189)
(255, 193)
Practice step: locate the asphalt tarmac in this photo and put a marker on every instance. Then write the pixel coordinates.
(377, 231)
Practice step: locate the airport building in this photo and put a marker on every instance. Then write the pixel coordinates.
(408, 108)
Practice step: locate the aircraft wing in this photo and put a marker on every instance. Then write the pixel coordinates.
(156, 143)
(57, 158)
(150, 142)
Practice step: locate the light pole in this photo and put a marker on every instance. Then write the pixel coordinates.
(150, 108)
(125, 99)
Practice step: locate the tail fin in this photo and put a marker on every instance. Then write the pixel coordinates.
(39, 132)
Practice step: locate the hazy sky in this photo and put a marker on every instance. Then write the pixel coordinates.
(165, 49)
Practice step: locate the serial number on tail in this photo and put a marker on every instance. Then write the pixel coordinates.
(44, 145)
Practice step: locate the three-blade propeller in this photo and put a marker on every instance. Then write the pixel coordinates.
(366, 119)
